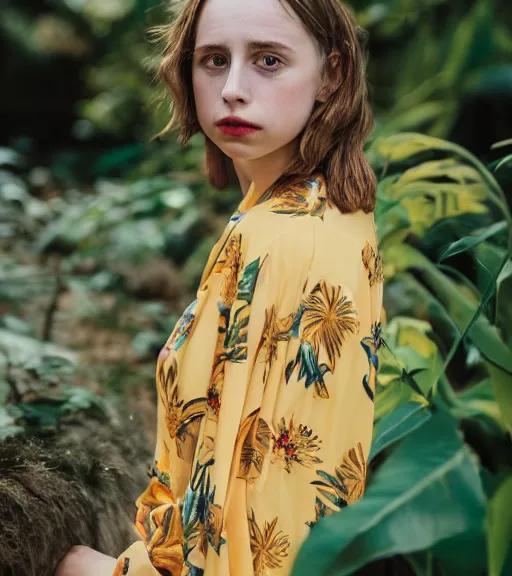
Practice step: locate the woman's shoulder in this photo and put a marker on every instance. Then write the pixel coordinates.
(300, 213)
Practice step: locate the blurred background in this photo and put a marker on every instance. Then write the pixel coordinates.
(104, 232)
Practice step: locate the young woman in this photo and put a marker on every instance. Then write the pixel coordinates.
(266, 385)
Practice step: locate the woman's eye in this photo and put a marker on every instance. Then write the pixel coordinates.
(215, 61)
(271, 62)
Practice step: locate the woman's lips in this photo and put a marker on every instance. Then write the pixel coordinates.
(237, 130)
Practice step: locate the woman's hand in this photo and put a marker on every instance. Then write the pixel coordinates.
(84, 561)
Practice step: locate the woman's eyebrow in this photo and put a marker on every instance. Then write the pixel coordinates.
(253, 45)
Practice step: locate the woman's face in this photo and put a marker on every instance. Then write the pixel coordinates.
(273, 87)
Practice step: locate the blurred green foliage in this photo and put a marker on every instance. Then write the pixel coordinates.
(104, 233)
(437, 66)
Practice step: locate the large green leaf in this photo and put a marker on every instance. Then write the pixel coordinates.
(407, 296)
(426, 491)
(483, 334)
(401, 148)
(398, 424)
(479, 401)
(394, 384)
(464, 553)
(475, 26)
(416, 116)
(502, 386)
(499, 527)
(468, 242)
(428, 202)
(501, 380)
(504, 302)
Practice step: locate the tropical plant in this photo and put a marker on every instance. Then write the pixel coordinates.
(440, 463)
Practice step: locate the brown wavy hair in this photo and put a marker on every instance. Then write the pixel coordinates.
(332, 140)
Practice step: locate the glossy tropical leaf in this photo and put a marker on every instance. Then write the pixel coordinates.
(414, 350)
(398, 424)
(427, 490)
(464, 553)
(410, 298)
(427, 202)
(499, 527)
(395, 385)
(479, 401)
(502, 386)
(402, 147)
(476, 24)
(507, 161)
(482, 333)
(469, 242)
(504, 302)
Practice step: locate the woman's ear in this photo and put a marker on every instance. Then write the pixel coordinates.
(332, 75)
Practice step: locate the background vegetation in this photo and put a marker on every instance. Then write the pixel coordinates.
(104, 232)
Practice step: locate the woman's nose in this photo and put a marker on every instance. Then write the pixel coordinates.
(235, 88)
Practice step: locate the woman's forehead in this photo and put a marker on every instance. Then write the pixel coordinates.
(248, 20)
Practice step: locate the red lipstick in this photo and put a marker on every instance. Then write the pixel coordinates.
(235, 126)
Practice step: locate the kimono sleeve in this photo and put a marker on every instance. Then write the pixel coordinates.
(158, 516)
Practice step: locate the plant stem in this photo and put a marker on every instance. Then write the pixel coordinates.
(430, 564)
(487, 295)
(52, 308)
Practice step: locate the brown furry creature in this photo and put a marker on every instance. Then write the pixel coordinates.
(76, 488)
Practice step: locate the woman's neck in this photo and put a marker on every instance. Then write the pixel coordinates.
(264, 171)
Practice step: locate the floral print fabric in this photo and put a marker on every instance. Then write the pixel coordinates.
(265, 392)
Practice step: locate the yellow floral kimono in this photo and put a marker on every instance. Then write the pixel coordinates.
(266, 392)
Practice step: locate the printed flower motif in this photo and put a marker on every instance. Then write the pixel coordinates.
(167, 373)
(371, 345)
(373, 264)
(295, 445)
(214, 393)
(122, 567)
(328, 317)
(256, 436)
(275, 330)
(301, 199)
(173, 414)
(268, 549)
(202, 519)
(347, 485)
(183, 421)
(156, 494)
(235, 342)
(183, 327)
(213, 526)
(309, 368)
(353, 472)
(165, 548)
(321, 510)
(214, 398)
(235, 319)
(247, 283)
(230, 264)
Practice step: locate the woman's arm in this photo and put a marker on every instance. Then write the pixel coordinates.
(84, 561)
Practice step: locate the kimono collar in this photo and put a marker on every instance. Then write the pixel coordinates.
(252, 198)
(249, 200)
(302, 196)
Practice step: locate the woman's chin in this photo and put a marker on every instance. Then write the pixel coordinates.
(239, 151)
